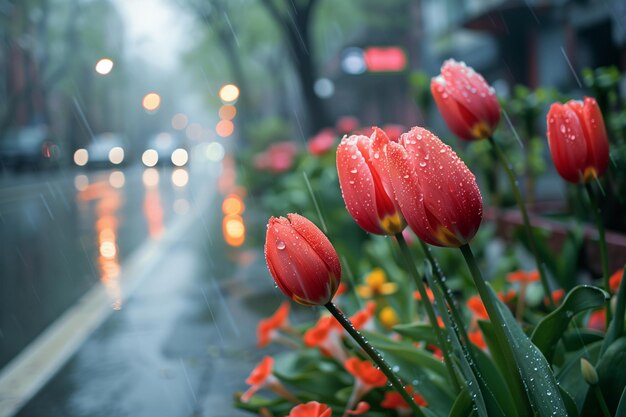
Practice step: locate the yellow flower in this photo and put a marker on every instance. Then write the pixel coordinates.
(376, 284)
(388, 317)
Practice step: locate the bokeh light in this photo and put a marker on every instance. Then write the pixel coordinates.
(116, 155)
(117, 179)
(180, 157)
(150, 177)
(81, 182)
(180, 177)
(104, 66)
(224, 128)
(81, 157)
(179, 121)
(233, 204)
(151, 101)
(234, 230)
(227, 112)
(229, 93)
(150, 157)
(215, 152)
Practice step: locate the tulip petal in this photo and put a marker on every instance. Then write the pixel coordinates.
(318, 241)
(297, 269)
(595, 134)
(452, 199)
(566, 141)
(357, 183)
(459, 122)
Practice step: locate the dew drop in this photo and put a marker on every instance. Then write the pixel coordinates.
(422, 164)
(562, 128)
(353, 171)
(280, 245)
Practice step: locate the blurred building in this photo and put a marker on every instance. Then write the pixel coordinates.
(530, 42)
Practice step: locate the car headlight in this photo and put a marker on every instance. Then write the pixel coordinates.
(81, 157)
(116, 155)
(150, 157)
(180, 157)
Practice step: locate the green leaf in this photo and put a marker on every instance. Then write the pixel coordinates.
(539, 382)
(612, 378)
(570, 377)
(621, 407)
(420, 368)
(418, 332)
(551, 328)
(463, 405)
(460, 353)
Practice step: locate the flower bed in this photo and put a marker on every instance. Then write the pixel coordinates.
(432, 323)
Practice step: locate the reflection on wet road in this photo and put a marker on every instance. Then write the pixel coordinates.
(62, 232)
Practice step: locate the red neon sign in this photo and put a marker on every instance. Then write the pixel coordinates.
(387, 59)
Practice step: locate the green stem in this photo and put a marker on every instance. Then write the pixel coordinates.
(498, 325)
(430, 311)
(440, 280)
(520, 203)
(604, 257)
(375, 357)
(598, 393)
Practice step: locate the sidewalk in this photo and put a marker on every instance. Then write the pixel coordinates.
(181, 346)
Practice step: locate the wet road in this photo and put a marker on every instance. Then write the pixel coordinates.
(184, 339)
(64, 231)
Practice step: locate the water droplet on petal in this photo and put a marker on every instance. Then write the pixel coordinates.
(280, 245)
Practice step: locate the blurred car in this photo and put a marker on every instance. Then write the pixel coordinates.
(29, 147)
(105, 150)
(165, 149)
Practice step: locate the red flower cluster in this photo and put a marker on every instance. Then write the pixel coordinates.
(277, 158)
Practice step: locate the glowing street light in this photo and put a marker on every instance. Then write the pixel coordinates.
(104, 66)
(227, 112)
(229, 93)
(224, 128)
(151, 101)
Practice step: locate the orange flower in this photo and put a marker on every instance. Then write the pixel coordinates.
(429, 292)
(597, 320)
(341, 289)
(437, 353)
(476, 338)
(394, 401)
(362, 318)
(366, 377)
(267, 328)
(260, 376)
(365, 372)
(361, 408)
(311, 409)
(326, 335)
(523, 276)
(477, 307)
(557, 296)
(507, 297)
(615, 280)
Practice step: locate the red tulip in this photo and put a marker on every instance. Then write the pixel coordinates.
(436, 192)
(366, 190)
(302, 260)
(467, 103)
(578, 141)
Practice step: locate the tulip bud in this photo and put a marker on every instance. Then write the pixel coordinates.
(366, 189)
(466, 102)
(435, 190)
(578, 140)
(302, 260)
(590, 375)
